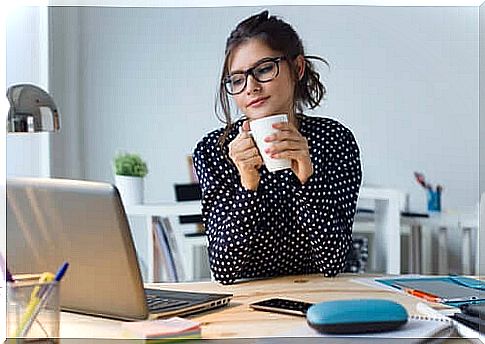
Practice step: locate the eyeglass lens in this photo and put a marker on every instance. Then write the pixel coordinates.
(263, 72)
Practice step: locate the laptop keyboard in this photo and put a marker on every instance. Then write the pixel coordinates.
(157, 303)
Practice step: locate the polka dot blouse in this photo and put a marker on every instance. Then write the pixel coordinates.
(283, 227)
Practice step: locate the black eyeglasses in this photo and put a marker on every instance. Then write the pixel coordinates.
(265, 71)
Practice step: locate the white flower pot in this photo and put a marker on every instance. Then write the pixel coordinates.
(131, 189)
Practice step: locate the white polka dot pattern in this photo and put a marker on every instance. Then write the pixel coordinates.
(283, 227)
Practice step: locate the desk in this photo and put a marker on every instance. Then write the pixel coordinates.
(387, 219)
(238, 320)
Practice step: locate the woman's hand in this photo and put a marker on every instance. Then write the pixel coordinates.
(288, 143)
(245, 155)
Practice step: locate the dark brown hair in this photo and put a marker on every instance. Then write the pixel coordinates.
(279, 36)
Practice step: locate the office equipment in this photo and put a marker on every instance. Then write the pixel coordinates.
(279, 305)
(356, 316)
(53, 220)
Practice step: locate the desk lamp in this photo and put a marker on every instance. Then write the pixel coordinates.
(31, 110)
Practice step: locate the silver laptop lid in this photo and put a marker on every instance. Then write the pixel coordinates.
(50, 221)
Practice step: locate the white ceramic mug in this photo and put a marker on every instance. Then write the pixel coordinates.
(262, 127)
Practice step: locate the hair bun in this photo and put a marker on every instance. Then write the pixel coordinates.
(263, 16)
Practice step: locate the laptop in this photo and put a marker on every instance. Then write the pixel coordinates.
(50, 221)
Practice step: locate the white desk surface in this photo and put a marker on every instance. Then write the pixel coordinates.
(168, 208)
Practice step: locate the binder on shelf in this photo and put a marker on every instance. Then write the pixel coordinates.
(163, 253)
(174, 247)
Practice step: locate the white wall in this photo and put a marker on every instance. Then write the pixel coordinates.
(404, 79)
(27, 62)
(481, 235)
(67, 157)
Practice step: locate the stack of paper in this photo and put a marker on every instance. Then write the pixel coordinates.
(163, 330)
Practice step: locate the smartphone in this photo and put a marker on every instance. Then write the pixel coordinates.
(286, 306)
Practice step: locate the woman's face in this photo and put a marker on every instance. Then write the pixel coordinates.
(261, 99)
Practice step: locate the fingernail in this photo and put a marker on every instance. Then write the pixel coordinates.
(267, 150)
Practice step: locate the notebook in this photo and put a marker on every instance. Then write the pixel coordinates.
(451, 290)
(418, 329)
(50, 221)
(444, 290)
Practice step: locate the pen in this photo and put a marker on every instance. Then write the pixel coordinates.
(422, 295)
(44, 296)
(34, 301)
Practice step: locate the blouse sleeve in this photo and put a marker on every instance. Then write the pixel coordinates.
(326, 204)
(229, 212)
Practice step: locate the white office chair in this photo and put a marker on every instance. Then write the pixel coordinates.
(193, 242)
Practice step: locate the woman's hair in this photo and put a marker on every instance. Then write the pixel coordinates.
(279, 36)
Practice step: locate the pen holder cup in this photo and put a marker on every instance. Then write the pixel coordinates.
(434, 201)
(33, 312)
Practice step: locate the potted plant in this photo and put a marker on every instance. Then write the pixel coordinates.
(130, 171)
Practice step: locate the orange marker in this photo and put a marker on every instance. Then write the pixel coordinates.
(422, 295)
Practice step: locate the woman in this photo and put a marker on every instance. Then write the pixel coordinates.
(298, 221)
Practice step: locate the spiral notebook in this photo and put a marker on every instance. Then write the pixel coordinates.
(418, 329)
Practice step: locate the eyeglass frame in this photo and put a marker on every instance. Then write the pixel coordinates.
(250, 71)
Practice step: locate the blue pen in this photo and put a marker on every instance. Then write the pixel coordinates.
(44, 296)
(59, 274)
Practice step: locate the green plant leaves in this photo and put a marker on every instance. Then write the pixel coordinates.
(127, 164)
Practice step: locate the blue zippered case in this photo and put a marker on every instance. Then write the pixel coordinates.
(356, 316)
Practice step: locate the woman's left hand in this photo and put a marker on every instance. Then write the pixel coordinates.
(288, 143)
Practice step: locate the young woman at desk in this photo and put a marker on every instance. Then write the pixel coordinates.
(293, 221)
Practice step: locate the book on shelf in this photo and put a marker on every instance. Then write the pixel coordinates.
(174, 247)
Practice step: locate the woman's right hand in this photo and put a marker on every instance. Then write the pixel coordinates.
(245, 155)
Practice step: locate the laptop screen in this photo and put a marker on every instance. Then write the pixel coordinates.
(50, 221)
